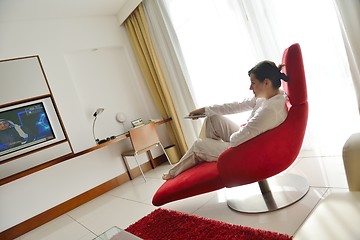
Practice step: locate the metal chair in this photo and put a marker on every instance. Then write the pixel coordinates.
(143, 138)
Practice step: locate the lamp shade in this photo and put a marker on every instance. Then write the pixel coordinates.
(98, 112)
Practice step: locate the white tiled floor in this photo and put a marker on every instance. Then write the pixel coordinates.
(131, 201)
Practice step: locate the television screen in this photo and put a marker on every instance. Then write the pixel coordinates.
(23, 127)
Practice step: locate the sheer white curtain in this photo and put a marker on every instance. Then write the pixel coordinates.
(222, 39)
(173, 65)
(349, 17)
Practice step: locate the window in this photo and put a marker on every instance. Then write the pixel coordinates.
(222, 39)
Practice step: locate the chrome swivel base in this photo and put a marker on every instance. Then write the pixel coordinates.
(274, 193)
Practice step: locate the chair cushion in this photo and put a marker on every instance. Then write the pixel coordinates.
(267, 154)
(197, 180)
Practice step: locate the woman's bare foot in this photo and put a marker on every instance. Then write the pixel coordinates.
(166, 176)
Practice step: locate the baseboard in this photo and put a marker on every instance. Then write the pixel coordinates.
(73, 203)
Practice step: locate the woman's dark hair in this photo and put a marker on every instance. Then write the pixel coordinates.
(268, 69)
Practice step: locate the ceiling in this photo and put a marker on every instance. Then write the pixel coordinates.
(16, 10)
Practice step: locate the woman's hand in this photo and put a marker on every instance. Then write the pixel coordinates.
(197, 112)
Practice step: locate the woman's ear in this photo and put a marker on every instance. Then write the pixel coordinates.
(267, 82)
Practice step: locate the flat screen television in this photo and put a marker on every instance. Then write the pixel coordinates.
(28, 126)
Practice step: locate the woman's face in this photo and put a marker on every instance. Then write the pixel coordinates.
(4, 125)
(256, 86)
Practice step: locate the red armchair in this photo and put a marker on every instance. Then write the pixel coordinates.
(256, 160)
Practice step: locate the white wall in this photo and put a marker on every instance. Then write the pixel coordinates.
(81, 80)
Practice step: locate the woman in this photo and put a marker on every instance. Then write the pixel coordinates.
(268, 110)
(11, 134)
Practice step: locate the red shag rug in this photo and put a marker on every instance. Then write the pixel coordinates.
(168, 224)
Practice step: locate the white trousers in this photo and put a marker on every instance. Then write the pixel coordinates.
(213, 140)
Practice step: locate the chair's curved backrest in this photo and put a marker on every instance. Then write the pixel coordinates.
(144, 137)
(275, 150)
(294, 68)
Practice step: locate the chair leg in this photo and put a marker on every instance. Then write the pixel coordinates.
(167, 157)
(140, 167)
(267, 195)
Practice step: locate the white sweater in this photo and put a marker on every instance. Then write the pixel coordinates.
(266, 114)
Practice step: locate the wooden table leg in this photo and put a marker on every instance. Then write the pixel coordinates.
(148, 152)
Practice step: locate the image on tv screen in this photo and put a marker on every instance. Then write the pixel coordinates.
(22, 127)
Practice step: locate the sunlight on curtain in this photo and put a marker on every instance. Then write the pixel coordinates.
(137, 28)
(222, 39)
(349, 18)
(173, 65)
(210, 44)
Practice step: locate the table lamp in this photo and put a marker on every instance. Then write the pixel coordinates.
(96, 114)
